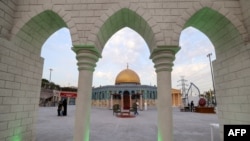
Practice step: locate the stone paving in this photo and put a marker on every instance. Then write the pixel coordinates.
(188, 126)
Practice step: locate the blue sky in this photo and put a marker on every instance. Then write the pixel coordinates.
(127, 46)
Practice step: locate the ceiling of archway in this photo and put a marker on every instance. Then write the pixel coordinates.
(125, 18)
(216, 26)
(40, 27)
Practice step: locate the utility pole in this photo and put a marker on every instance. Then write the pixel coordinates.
(183, 85)
(209, 56)
(183, 90)
(50, 74)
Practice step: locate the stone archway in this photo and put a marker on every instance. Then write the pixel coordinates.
(228, 42)
(162, 56)
(25, 71)
(22, 35)
(217, 27)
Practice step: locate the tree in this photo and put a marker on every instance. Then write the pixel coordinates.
(210, 97)
(49, 85)
(71, 89)
(45, 83)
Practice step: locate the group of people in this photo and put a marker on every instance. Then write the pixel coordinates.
(62, 108)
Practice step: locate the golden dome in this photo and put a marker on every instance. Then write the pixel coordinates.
(127, 76)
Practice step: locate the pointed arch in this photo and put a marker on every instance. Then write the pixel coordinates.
(36, 26)
(210, 13)
(122, 16)
(217, 27)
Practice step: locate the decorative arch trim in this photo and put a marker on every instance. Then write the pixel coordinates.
(125, 15)
(209, 12)
(217, 27)
(36, 20)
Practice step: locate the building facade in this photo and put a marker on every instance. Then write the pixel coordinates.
(127, 90)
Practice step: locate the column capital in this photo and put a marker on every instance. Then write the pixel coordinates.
(87, 56)
(163, 57)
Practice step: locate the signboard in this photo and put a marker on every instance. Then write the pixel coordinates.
(68, 94)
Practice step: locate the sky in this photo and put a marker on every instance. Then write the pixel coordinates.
(127, 47)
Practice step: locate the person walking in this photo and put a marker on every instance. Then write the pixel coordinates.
(192, 106)
(135, 107)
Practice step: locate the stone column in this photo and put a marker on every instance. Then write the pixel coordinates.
(173, 97)
(179, 99)
(146, 99)
(99, 99)
(111, 100)
(130, 100)
(68, 98)
(87, 57)
(107, 99)
(163, 58)
(121, 101)
(140, 101)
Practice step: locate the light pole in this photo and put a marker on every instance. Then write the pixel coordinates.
(209, 56)
(50, 74)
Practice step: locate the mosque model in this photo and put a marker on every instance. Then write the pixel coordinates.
(127, 90)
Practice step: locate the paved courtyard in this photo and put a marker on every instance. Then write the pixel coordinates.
(106, 127)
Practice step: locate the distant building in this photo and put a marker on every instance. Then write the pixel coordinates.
(127, 90)
(52, 97)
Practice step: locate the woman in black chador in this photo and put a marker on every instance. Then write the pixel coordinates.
(64, 107)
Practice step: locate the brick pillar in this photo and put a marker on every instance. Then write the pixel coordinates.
(87, 57)
(163, 58)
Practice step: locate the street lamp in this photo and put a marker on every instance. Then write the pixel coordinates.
(209, 56)
(50, 74)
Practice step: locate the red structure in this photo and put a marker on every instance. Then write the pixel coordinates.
(68, 94)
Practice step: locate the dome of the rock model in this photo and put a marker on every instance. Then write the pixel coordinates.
(127, 76)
